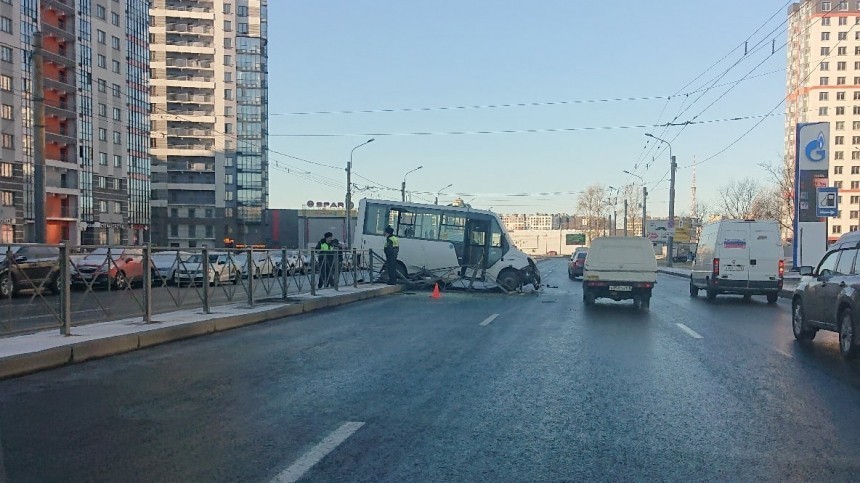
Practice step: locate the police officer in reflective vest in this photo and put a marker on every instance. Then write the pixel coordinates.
(392, 249)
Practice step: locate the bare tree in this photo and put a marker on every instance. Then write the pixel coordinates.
(633, 195)
(592, 206)
(768, 205)
(781, 176)
(738, 198)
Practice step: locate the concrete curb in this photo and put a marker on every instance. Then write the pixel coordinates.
(784, 293)
(21, 364)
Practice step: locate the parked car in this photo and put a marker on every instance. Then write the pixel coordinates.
(222, 268)
(165, 265)
(827, 298)
(576, 266)
(739, 257)
(30, 267)
(116, 267)
(620, 268)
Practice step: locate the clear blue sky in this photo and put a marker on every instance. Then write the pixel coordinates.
(381, 54)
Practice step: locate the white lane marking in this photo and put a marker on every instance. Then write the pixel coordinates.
(317, 453)
(692, 333)
(489, 319)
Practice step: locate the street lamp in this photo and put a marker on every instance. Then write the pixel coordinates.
(347, 208)
(403, 185)
(672, 166)
(440, 192)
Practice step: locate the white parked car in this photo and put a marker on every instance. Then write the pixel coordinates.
(166, 265)
(222, 269)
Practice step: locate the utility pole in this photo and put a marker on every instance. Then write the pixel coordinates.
(348, 201)
(625, 216)
(38, 141)
(403, 190)
(644, 207)
(669, 245)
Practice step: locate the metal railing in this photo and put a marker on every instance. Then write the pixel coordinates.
(61, 287)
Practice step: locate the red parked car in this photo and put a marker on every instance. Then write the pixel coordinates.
(576, 265)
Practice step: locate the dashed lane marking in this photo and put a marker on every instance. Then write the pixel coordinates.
(317, 453)
(692, 333)
(489, 319)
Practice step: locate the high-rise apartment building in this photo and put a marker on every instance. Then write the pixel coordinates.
(209, 140)
(95, 61)
(824, 86)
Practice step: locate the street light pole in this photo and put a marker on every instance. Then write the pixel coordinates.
(644, 202)
(672, 167)
(440, 192)
(347, 207)
(403, 185)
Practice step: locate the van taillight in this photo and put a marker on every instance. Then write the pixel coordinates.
(716, 267)
(781, 268)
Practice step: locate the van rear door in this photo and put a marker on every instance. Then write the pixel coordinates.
(765, 251)
(734, 253)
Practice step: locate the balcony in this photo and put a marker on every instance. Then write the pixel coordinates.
(184, 28)
(60, 58)
(66, 137)
(66, 213)
(65, 6)
(189, 132)
(189, 98)
(59, 84)
(63, 110)
(58, 31)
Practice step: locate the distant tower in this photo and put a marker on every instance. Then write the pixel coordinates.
(693, 208)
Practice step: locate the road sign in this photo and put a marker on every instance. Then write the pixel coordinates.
(659, 230)
(827, 202)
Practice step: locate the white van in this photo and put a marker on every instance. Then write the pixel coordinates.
(739, 257)
(620, 268)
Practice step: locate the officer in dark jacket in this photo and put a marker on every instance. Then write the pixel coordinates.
(326, 260)
(392, 249)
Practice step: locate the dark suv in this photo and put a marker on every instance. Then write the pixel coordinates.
(29, 267)
(827, 298)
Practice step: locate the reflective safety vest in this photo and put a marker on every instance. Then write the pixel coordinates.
(325, 247)
(392, 242)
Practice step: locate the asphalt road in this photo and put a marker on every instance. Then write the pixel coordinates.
(470, 387)
(30, 311)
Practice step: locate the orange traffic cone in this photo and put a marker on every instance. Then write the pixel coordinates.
(436, 294)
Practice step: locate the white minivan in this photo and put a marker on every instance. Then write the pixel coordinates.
(620, 268)
(739, 257)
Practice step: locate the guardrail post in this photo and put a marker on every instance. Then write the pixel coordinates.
(251, 268)
(355, 261)
(337, 261)
(9, 261)
(370, 264)
(65, 291)
(285, 276)
(313, 273)
(205, 271)
(147, 284)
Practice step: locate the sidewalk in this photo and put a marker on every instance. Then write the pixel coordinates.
(44, 350)
(789, 282)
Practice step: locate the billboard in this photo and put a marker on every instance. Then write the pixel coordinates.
(574, 239)
(811, 166)
(827, 202)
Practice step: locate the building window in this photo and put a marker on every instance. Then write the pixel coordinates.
(103, 208)
(822, 96)
(842, 51)
(6, 25)
(102, 159)
(243, 28)
(840, 96)
(825, 35)
(117, 114)
(6, 170)
(7, 54)
(856, 110)
(5, 83)
(839, 140)
(822, 111)
(174, 212)
(825, 50)
(228, 60)
(192, 231)
(102, 61)
(102, 85)
(228, 26)
(855, 170)
(101, 12)
(228, 43)
(843, 36)
(825, 6)
(843, 20)
(855, 155)
(116, 69)
(102, 134)
(7, 112)
(192, 213)
(228, 94)
(242, 11)
(174, 230)
(228, 212)
(210, 231)
(8, 141)
(228, 128)
(840, 81)
(117, 207)
(837, 184)
(825, 66)
(824, 81)
(837, 170)
(114, 18)
(855, 185)
(228, 111)
(841, 66)
(117, 161)
(843, 6)
(227, 8)
(837, 229)
(840, 110)
(839, 155)
(117, 138)
(116, 90)
(7, 198)
(101, 36)
(209, 212)
(114, 42)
